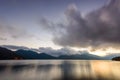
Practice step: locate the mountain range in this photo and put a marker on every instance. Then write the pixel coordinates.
(6, 54)
(27, 54)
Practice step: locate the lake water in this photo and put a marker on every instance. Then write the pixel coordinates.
(59, 70)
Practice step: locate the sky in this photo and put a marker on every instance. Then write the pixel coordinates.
(79, 24)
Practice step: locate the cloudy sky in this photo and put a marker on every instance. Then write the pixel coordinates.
(91, 25)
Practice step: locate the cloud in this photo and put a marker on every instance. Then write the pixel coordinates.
(10, 31)
(99, 28)
(62, 51)
(3, 39)
(13, 47)
(53, 28)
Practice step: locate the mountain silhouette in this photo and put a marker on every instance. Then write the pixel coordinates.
(8, 54)
(116, 58)
(27, 54)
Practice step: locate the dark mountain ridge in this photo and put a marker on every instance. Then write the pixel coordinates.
(8, 54)
(33, 55)
(116, 58)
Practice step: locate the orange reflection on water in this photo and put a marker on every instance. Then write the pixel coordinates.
(101, 69)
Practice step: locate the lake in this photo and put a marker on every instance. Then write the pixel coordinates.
(59, 70)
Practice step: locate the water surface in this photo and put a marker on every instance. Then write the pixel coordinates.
(59, 70)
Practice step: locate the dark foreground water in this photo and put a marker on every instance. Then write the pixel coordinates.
(59, 70)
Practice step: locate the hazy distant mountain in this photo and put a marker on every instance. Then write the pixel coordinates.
(81, 56)
(33, 55)
(110, 56)
(8, 54)
(46, 56)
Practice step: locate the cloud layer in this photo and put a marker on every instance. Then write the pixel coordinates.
(13, 47)
(99, 28)
(10, 31)
(62, 51)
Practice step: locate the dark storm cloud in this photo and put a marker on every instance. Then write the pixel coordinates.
(97, 29)
(55, 28)
(13, 47)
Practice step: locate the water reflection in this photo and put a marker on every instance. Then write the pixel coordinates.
(59, 70)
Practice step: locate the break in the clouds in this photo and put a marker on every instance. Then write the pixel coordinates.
(99, 28)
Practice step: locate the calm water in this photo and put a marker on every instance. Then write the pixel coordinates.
(59, 70)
